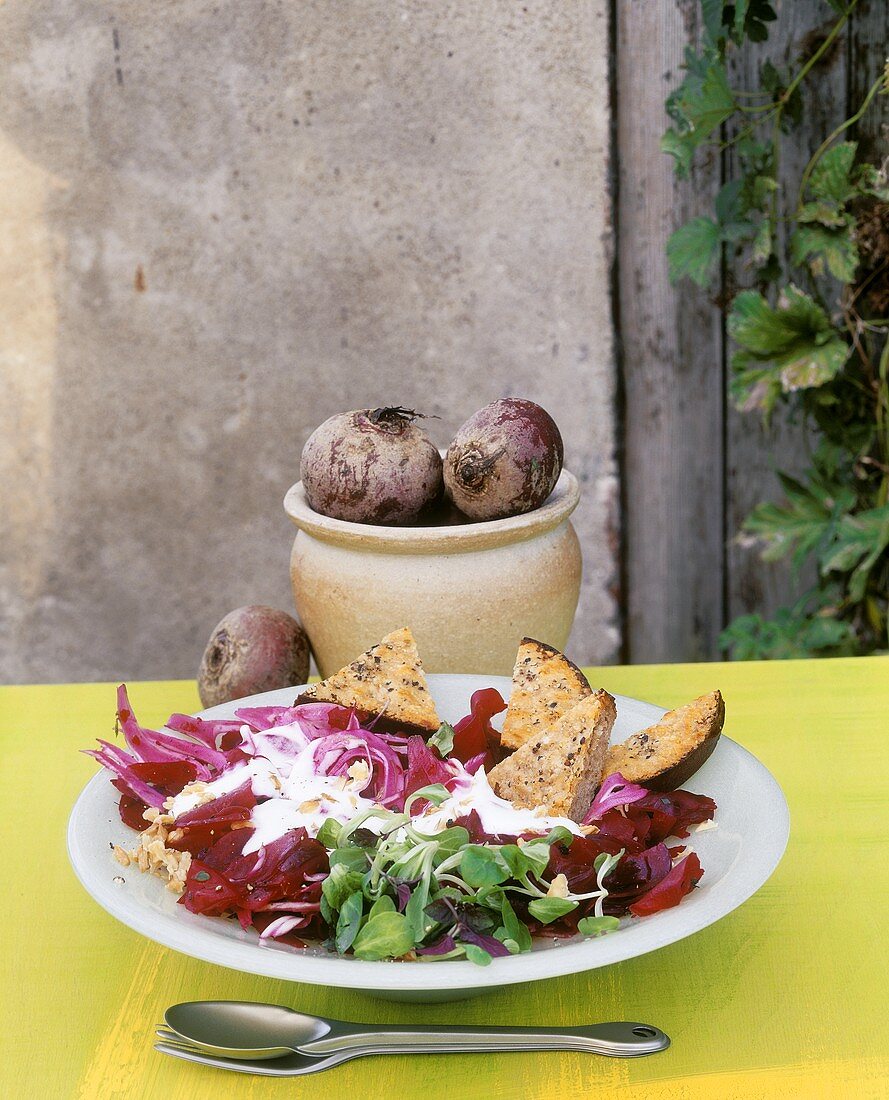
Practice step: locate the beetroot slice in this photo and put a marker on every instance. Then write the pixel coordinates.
(474, 734)
(670, 890)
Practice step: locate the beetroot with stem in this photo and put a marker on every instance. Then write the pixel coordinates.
(504, 461)
(371, 466)
(253, 649)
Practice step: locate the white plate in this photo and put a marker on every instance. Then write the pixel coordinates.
(738, 856)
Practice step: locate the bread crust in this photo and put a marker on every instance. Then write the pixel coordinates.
(667, 754)
(545, 686)
(560, 769)
(387, 680)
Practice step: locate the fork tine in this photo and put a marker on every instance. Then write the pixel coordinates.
(263, 1069)
(190, 1047)
(191, 1054)
(168, 1035)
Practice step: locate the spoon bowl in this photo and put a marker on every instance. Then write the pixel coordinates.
(244, 1029)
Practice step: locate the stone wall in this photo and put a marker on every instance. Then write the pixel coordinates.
(223, 222)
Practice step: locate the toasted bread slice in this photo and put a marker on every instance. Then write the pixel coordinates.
(387, 680)
(560, 769)
(545, 685)
(668, 753)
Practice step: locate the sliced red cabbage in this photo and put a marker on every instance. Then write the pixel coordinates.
(265, 718)
(120, 763)
(615, 791)
(207, 730)
(334, 753)
(154, 746)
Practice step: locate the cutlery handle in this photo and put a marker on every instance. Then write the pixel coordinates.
(622, 1039)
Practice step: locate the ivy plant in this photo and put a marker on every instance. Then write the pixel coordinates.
(809, 331)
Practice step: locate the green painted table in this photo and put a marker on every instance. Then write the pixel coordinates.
(784, 997)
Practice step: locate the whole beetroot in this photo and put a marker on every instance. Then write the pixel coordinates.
(371, 466)
(504, 461)
(253, 649)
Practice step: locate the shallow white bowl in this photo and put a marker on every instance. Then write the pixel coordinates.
(738, 856)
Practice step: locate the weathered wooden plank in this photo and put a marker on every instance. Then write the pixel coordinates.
(671, 362)
(868, 49)
(753, 451)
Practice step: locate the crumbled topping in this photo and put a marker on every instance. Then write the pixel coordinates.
(152, 855)
(558, 888)
(359, 771)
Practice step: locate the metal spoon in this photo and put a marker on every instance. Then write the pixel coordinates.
(247, 1029)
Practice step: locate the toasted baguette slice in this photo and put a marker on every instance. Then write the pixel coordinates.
(388, 679)
(668, 753)
(545, 685)
(561, 768)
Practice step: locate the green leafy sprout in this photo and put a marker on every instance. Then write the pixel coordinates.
(456, 888)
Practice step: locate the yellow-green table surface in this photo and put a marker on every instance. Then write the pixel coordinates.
(784, 997)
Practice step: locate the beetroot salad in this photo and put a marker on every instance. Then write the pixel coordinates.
(307, 825)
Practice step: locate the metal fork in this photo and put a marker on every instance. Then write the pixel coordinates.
(289, 1065)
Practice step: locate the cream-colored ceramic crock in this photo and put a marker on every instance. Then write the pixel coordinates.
(468, 592)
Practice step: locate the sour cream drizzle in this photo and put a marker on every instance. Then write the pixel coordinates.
(282, 771)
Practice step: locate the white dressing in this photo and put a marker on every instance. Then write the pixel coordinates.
(497, 815)
(282, 772)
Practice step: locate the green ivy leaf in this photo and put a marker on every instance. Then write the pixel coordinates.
(712, 13)
(861, 540)
(806, 521)
(831, 178)
(818, 245)
(693, 250)
(762, 243)
(799, 525)
(759, 190)
(788, 635)
(698, 106)
(755, 17)
(767, 331)
(681, 147)
(776, 81)
(795, 337)
(824, 213)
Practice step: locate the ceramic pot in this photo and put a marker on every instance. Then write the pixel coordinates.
(469, 592)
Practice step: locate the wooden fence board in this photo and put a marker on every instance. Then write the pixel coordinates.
(868, 52)
(671, 362)
(692, 466)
